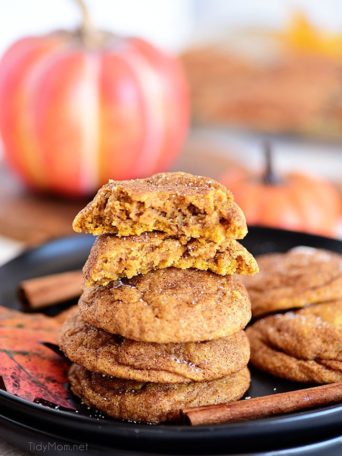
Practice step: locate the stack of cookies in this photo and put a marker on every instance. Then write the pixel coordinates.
(159, 326)
(303, 344)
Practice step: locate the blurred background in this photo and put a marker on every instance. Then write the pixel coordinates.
(247, 92)
(171, 24)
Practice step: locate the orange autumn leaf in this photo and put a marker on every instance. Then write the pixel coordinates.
(30, 369)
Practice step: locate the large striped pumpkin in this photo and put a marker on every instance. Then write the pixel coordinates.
(75, 112)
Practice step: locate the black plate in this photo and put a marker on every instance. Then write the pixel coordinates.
(28, 425)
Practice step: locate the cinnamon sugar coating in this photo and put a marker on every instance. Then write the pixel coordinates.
(113, 355)
(305, 345)
(294, 279)
(169, 305)
(112, 257)
(153, 402)
(178, 204)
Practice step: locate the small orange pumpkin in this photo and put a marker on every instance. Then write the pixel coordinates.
(294, 202)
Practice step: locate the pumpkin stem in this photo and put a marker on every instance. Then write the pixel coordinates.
(269, 178)
(87, 31)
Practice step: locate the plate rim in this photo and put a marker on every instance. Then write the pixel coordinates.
(277, 419)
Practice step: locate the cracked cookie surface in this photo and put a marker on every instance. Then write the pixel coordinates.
(112, 257)
(116, 356)
(178, 204)
(294, 279)
(153, 402)
(169, 305)
(304, 346)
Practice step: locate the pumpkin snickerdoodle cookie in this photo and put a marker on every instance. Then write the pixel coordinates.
(113, 355)
(304, 346)
(169, 305)
(112, 257)
(294, 279)
(178, 204)
(153, 402)
(160, 321)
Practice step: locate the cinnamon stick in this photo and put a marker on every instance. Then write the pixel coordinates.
(49, 290)
(265, 406)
